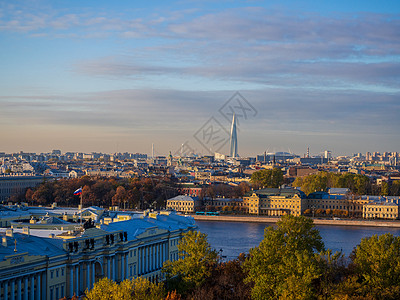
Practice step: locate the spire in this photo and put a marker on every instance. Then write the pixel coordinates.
(233, 138)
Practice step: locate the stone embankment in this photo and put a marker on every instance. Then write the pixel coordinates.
(337, 222)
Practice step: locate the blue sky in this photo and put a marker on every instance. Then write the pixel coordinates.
(119, 76)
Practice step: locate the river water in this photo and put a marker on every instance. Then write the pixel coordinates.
(238, 237)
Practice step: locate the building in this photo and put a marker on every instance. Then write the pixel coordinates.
(15, 184)
(320, 202)
(381, 210)
(51, 264)
(185, 204)
(233, 139)
(221, 203)
(275, 202)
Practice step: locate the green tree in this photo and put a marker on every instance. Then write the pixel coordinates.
(377, 261)
(135, 289)
(268, 178)
(312, 183)
(358, 184)
(284, 265)
(195, 263)
(395, 188)
(384, 188)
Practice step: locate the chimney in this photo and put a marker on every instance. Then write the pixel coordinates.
(9, 232)
(4, 241)
(26, 230)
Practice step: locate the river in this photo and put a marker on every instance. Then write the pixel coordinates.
(238, 237)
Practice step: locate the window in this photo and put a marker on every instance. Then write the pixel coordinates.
(130, 271)
(62, 271)
(51, 274)
(57, 273)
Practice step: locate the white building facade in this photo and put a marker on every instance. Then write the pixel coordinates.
(63, 264)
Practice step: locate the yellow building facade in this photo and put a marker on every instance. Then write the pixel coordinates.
(275, 202)
(381, 210)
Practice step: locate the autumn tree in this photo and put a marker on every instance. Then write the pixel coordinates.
(28, 195)
(225, 282)
(136, 289)
(119, 197)
(195, 263)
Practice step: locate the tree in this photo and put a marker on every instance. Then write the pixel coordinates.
(226, 282)
(120, 196)
(144, 289)
(28, 195)
(268, 178)
(135, 289)
(358, 184)
(384, 188)
(377, 261)
(103, 289)
(284, 265)
(195, 263)
(395, 188)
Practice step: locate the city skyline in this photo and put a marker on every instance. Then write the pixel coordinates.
(96, 76)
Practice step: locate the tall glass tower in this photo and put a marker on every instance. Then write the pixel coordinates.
(233, 138)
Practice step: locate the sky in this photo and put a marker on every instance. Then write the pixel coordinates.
(119, 76)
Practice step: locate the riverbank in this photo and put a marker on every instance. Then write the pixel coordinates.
(261, 219)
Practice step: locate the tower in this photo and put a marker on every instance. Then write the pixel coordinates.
(233, 138)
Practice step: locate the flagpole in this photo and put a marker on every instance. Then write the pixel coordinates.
(81, 205)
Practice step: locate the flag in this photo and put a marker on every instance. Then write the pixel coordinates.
(78, 191)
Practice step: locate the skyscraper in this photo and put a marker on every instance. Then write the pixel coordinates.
(233, 138)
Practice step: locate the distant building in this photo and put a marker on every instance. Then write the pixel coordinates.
(233, 139)
(275, 202)
(381, 210)
(310, 160)
(300, 171)
(15, 184)
(184, 204)
(339, 200)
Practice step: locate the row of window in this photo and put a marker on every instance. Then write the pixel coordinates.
(378, 209)
(56, 291)
(174, 255)
(132, 252)
(391, 216)
(132, 270)
(185, 203)
(57, 272)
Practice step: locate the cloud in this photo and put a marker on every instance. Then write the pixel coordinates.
(259, 46)
(307, 74)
